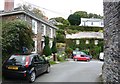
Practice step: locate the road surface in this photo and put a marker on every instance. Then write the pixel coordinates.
(72, 71)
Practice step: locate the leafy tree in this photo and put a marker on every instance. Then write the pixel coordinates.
(35, 10)
(38, 12)
(16, 35)
(82, 14)
(54, 49)
(46, 50)
(60, 36)
(61, 20)
(74, 19)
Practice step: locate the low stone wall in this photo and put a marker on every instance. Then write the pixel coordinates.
(111, 67)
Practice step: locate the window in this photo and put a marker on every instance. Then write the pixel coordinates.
(87, 42)
(43, 29)
(36, 59)
(35, 46)
(34, 26)
(96, 42)
(77, 42)
(91, 23)
(51, 33)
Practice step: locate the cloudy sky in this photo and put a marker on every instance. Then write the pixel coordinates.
(63, 8)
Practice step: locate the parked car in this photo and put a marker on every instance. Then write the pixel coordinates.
(101, 56)
(80, 53)
(81, 56)
(27, 66)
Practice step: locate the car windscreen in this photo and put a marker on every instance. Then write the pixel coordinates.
(16, 60)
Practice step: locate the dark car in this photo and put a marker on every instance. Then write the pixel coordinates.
(27, 66)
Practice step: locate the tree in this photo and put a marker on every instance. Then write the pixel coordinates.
(82, 14)
(46, 50)
(61, 20)
(74, 19)
(54, 49)
(38, 12)
(35, 10)
(16, 35)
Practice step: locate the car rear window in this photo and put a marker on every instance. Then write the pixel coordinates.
(17, 59)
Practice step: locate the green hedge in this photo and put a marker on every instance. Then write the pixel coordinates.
(80, 28)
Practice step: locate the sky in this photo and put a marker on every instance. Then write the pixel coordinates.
(63, 8)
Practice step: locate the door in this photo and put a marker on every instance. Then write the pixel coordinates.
(43, 62)
(37, 65)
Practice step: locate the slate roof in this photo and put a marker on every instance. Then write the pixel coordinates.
(27, 12)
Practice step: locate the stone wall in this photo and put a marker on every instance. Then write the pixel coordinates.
(111, 67)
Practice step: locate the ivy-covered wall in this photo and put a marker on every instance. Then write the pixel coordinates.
(90, 47)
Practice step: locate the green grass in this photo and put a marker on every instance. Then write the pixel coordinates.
(52, 62)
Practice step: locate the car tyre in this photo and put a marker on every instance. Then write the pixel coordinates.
(87, 60)
(48, 69)
(32, 77)
(75, 59)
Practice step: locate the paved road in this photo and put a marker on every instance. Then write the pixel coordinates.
(71, 71)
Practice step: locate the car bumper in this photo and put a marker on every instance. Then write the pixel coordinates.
(15, 74)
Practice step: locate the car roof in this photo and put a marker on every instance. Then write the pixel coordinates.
(27, 54)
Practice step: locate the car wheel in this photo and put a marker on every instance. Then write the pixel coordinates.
(48, 69)
(75, 59)
(32, 77)
(87, 60)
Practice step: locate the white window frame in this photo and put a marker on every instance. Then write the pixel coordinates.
(35, 45)
(51, 32)
(34, 26)
(44, 30)
(77, 42)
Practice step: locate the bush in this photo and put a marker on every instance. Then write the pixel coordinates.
(47, 50)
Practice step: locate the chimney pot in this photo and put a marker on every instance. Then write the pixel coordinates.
(8, 5)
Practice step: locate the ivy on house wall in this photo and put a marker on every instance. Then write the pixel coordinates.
(91, 48)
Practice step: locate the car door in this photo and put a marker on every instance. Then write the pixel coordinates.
(43, 62)
(37, 64)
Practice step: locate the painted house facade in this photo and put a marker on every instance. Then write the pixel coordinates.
(92, 22)
(40, 26)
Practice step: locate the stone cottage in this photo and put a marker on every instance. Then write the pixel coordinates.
(40, 26)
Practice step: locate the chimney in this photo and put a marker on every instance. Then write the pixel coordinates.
(9, 5)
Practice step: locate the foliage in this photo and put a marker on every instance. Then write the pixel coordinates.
(68, 50)
(34, 10)
(54, 49)
(15, 35)
(74, 19)
(61, 20)
(38, 12)
(90, 48)
(46, 50)
(84, 14)
(61, 56)
(75, 29)
(61, 45)
(60, 36)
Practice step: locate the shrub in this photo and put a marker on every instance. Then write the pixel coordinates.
(47, 50)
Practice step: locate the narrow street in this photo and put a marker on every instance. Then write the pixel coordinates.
(71, 71)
